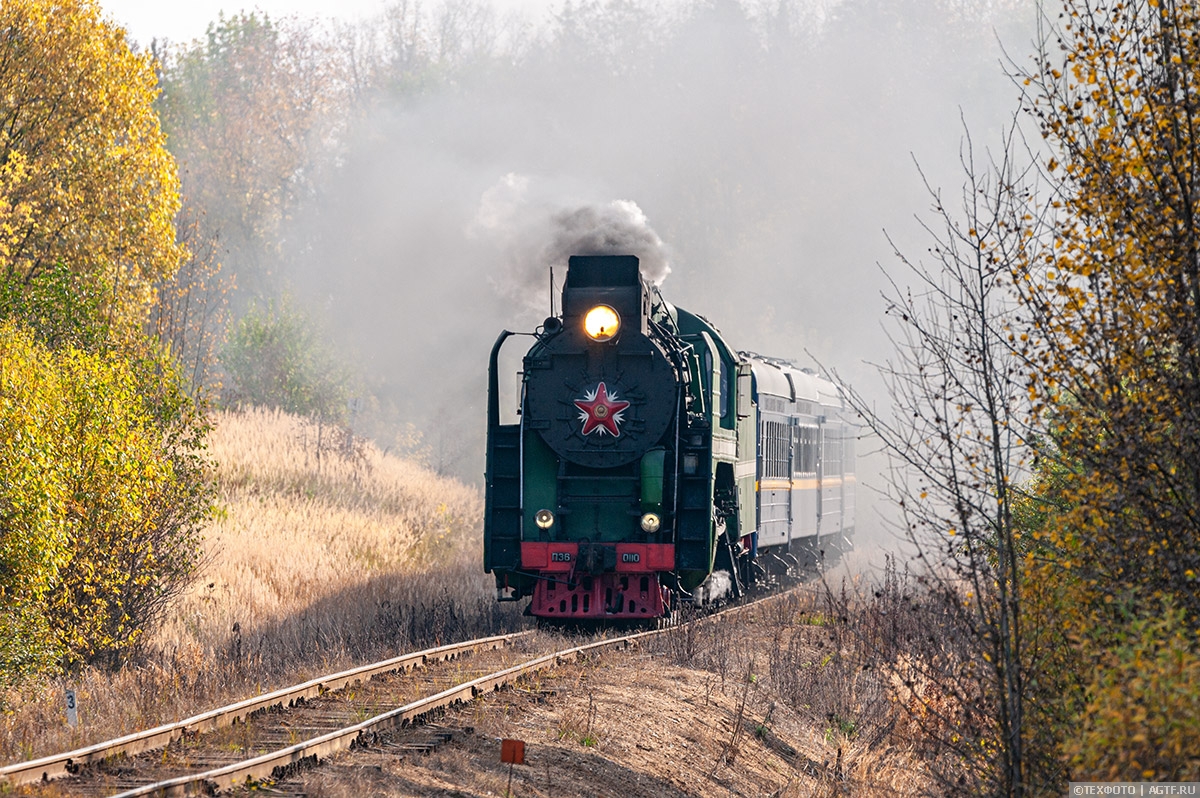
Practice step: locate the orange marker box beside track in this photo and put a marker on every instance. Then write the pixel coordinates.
(512, 751)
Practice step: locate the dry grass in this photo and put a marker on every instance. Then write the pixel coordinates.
(328, 553)
(711, 709)
(308, 515)
(842, 660)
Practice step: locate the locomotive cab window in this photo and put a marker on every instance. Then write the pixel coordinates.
(744, 388)
(709, 369)
(724, 376)
(718, 385)
(723, 381)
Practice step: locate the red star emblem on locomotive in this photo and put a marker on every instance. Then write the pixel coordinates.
(600, 412)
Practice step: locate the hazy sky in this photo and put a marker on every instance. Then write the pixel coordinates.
(769, 174)
(184, 21)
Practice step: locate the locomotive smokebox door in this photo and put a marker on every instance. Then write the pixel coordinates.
(598, 404)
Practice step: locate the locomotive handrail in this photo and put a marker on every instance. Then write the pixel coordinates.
(494, 380)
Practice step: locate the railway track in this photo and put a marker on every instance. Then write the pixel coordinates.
(269, 737)
(98, 769)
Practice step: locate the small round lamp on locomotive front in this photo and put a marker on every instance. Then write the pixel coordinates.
(601, 323)
(544, 519)
(651, 522)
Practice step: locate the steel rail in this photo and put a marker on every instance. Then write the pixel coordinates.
(65, 764)
(279, 763)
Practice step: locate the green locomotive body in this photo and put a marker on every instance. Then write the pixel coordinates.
(630, 481)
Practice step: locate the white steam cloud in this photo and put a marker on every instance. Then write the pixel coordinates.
(535, 234)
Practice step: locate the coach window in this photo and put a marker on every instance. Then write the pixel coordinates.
(776, 453)
(806, 450)
(833, 451)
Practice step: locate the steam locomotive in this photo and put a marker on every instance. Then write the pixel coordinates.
(652, 464)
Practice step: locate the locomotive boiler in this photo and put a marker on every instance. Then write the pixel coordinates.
(651, 464)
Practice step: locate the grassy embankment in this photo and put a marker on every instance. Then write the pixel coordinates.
(326, 555)
(814, 694)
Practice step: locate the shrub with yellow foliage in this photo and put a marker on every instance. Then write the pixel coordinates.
(1050, 366)
(1109, 285)
(89, 504)
(1142, 719)
(34, 542)
(1113, 296)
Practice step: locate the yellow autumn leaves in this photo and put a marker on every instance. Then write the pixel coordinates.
(1117, 332)
(103, 488)
(85, 176)
(84, 484)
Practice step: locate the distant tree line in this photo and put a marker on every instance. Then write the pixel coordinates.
(263, 115)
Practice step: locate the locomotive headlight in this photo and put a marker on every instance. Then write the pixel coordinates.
(651, 522)
(601, 323)
(544, 519)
